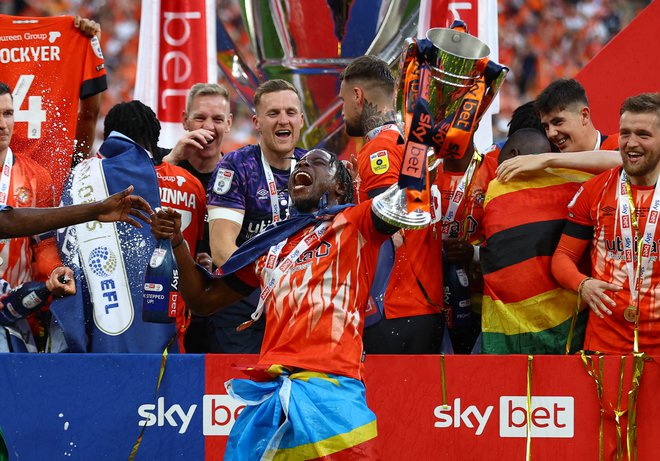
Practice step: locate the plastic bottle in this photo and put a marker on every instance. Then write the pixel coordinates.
(457, 295)
(22, 301)
(161, 285)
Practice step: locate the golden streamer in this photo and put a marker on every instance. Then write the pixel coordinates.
(571, 330)
(443, 381)
(597, 376)
(631, 436)
(163, 361)
(529, 407)
(618, 413)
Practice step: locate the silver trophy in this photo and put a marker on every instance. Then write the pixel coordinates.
(309, 43)
(441, 70)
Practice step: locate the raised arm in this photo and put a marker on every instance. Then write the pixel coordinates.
(88, 111)
(203, 295)
(88, 114)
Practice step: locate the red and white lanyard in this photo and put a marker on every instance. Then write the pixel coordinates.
(459, 194)
(5, 177)
(629, 221)
(272, 187)
(274, 271)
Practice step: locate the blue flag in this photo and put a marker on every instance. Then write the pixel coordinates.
(109, 259)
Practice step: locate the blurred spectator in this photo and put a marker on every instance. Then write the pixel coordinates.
(540, 40)
(545, 40)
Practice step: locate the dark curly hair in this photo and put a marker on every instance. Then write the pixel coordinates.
(135, 120)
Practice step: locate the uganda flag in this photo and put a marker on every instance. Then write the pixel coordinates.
(525, 311)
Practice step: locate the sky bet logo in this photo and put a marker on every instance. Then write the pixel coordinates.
(551, 417)
(219, 414)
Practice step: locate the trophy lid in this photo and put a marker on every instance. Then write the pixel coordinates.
(458, 43)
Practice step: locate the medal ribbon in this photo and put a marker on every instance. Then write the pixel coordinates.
(274, 272)
(5, 179)
(459, 194)
(629, 221)
(272, 186)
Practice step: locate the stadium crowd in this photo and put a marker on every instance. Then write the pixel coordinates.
(293, 254)
(540, 41)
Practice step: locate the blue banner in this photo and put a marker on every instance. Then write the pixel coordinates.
(83, 407)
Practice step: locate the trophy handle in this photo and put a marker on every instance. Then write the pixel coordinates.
(282, 31)
(392, 31)
(403, 112)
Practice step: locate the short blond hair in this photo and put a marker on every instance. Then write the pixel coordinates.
(205, 89)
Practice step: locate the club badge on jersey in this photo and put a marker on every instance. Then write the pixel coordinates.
(223, 181)
(380, 162)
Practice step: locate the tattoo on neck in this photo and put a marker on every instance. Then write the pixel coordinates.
(372, 117)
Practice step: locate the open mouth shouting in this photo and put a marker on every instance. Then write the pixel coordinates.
(283, 135)
(301, 180)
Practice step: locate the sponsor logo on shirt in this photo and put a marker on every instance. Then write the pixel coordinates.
(53, 35)
(179, 180)
(380, 162)
(608, 210)
(223, 181)
(176, 197)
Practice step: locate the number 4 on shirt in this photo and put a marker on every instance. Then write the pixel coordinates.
(34, 115)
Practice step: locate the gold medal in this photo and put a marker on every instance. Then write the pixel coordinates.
(247, 324)
(630, 314)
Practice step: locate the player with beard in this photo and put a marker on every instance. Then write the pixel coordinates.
(617, 213)
(247, 192)
(412, 323)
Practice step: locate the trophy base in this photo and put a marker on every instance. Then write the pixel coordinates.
(392, 207)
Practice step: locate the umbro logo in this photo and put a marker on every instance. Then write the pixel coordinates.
(262, 194)
(608, 210)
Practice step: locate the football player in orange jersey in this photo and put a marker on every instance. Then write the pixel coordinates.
(617, 213)
(315, 270)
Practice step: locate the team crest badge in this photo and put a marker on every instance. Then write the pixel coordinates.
(223, 181)
(380, 162)
(23, 196)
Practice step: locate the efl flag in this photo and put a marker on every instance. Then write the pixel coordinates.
(177, 49)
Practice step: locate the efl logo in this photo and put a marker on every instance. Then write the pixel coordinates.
(551, 417)
(220, 413)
